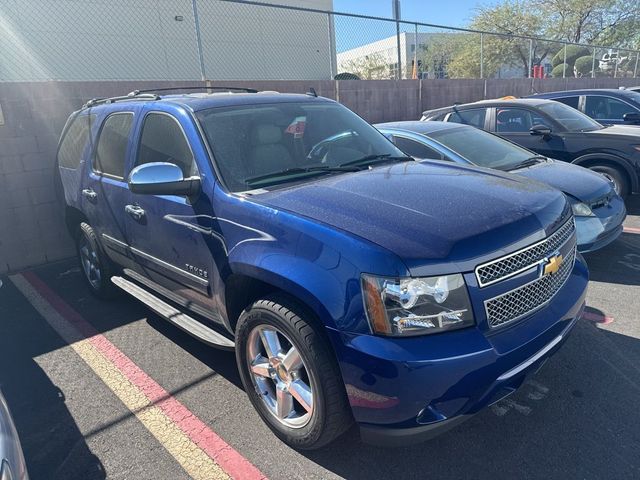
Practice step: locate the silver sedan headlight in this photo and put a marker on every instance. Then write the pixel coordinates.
(416, 306)
(582, 210)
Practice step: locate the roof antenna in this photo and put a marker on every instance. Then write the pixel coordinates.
(312, 92)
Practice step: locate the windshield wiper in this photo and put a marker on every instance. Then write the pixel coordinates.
(298, 170)
(531, 161)
(376, 158)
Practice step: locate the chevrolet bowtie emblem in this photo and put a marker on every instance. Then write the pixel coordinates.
(553, 265)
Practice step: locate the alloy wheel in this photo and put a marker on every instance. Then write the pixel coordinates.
(280, 376)
(90, 263)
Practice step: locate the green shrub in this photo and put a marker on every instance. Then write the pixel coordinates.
(573, 53)
(582, 66)
(557, 71)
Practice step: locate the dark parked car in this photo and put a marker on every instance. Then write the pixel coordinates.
(607, 106)
(598, 209)
(557, 131)
(289, 229)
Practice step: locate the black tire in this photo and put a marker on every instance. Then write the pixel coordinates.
(618, 177)
(102, 287)
(331, 415)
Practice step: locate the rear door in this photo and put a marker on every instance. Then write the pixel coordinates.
(170, 233)
(104, 190)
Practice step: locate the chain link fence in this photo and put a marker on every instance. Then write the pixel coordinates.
(254, 40)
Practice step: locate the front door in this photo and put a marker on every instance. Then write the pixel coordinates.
(514, 124)
(168, 240)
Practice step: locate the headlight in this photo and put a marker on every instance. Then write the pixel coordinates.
(416, 306)
(582, 210)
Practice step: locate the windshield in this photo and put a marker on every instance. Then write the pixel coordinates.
(260, 145)
(569, 118)
(482, 148)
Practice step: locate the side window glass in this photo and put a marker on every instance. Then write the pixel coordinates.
(75, 141)
(163, 141)
(474, 117)
(112, 145)
(416, 149)
(571, 101)
(606, 108)
(513, 120)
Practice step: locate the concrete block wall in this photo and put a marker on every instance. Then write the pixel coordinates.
(32, 229)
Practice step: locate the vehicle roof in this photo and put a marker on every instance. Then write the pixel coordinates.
(496, 102)
(586, 91)
(202, 101)
(417, 126)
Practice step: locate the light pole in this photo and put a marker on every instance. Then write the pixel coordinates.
(396, 16)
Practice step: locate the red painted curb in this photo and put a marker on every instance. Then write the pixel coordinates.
(232, 462)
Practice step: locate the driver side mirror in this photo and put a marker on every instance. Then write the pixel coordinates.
(540, 130)
(633, 118)
(160, 178)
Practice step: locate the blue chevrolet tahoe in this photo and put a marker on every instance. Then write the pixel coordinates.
(353, 283)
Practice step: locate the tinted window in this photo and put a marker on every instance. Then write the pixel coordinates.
(163, 141)
(571, 101)
(416, 149)
(517, 120)
(482, 148)
(568, 117)
(473, 117)
(112, 144)
(74, 141)
(606, 108)
(253, 141)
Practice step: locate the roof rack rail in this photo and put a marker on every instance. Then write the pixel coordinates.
(202, 87)
(131, 96)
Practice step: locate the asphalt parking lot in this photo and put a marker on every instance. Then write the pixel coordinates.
(109, 390)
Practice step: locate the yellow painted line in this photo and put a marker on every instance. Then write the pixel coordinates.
(196, 463)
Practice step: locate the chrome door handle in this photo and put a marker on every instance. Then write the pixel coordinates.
(135, 211)
(89, 194)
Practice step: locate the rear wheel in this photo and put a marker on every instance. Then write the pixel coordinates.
(290, 374)
(615, 176)
(97, 269)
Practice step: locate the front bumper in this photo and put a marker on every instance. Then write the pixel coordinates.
(403, 390)
(597, 232)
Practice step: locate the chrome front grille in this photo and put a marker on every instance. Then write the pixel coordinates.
(510, 265)
(530, 297)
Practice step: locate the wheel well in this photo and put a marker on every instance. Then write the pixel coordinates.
(240, 292)
(73, 218)
(609, 163)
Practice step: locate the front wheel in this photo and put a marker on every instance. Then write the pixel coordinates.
(290, 374)
(616, 177)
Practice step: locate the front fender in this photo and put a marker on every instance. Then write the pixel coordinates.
(614, 159)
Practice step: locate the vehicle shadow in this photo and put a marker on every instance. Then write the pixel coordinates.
(53, 445)
(618, 262)
(577, 418)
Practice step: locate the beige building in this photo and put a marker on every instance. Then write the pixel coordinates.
(158, 39)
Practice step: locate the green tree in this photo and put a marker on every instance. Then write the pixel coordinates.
(510, 17)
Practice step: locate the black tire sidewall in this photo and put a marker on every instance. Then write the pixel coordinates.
(619, 177)
(303, 437)
(106, 289)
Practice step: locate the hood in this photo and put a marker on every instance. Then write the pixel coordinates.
(624, 130)
(429, 212)
(579, 182)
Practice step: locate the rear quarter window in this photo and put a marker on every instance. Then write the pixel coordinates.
(74, 141)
